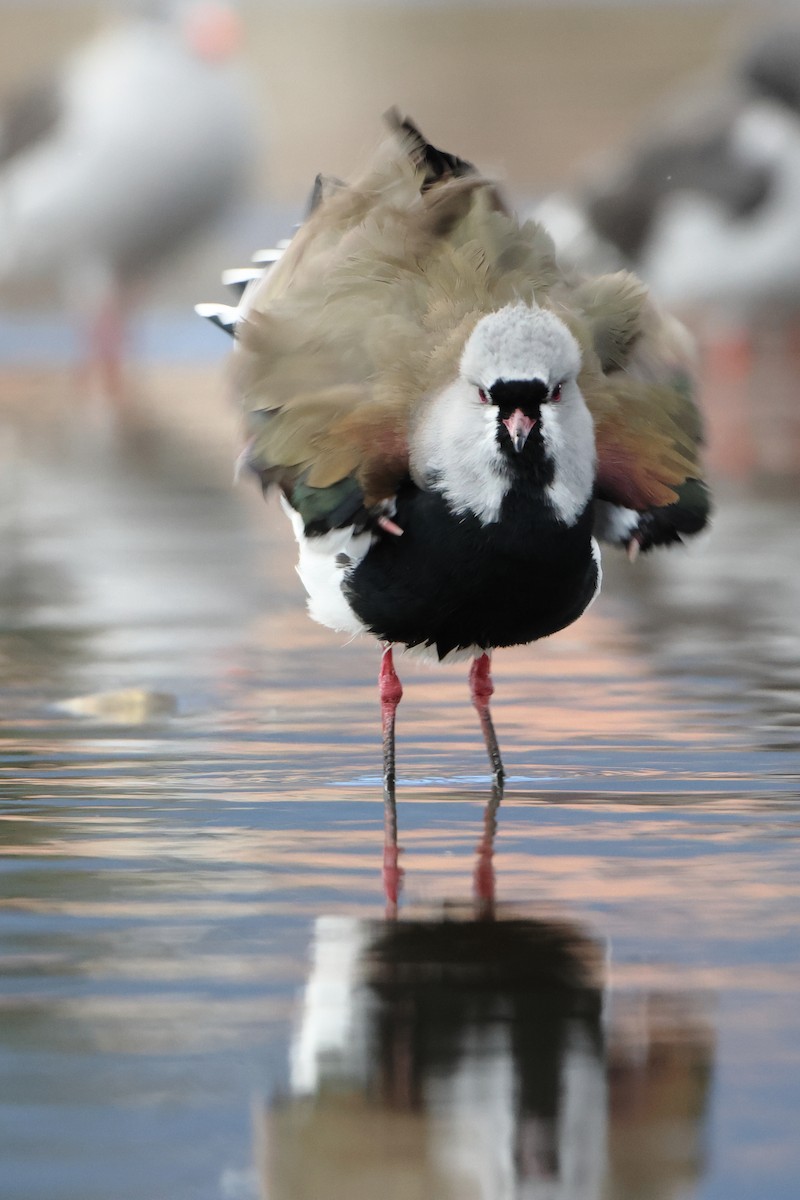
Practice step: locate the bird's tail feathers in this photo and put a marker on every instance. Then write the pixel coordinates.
(437, 164)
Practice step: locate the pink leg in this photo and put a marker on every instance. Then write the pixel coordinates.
(108, 344)
(481, 689)
(391, 691)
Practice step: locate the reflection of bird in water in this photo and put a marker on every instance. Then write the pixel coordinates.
(442, 410)
(136, 146)
(659, 1058)
(457, 1058)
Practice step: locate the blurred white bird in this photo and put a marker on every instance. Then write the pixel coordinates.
(705, 251)
(704, 206)
(137, 145)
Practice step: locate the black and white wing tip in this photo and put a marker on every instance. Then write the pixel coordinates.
(224, 316)
(237, 279)
(268, 257)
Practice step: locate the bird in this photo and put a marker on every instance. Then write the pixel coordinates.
(132, 148)
(451, 421)
(739, 257)
(702, 203)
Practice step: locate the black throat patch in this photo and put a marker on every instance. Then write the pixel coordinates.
(525, 394)
(530, 466)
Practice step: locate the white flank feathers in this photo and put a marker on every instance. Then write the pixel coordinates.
(322, 575)
(596, 555)
(613, 523)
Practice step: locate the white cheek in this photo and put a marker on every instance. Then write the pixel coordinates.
(456, 452)
(568, 436)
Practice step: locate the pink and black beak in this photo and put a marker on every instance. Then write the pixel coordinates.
(519, 426)
(519, 402)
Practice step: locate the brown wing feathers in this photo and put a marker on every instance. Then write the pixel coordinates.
(636, 378)
(340, 379)
(435, 165)
(367, 313)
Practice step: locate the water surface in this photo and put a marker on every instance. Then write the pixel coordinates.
(201, 997)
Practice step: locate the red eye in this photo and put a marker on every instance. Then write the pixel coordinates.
(484, 399)
(555, 395)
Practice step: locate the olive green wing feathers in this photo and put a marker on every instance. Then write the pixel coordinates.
(365, 316)
(639, 380)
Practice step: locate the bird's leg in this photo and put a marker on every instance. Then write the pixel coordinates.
(391, 691)
(481, 689)
(108, 344)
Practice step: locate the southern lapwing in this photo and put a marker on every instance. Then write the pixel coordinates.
(449, 420)
(123, 156)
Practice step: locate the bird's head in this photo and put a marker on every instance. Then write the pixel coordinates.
(514, 415)
(521, 365)
(212, 29)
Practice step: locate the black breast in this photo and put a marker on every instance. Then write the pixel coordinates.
(451, 582)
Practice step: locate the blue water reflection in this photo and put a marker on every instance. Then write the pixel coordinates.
(168, 873)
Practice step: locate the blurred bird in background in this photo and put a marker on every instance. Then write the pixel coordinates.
(134, 148)
(454, 1057)
(700, 204)
(704, 207)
